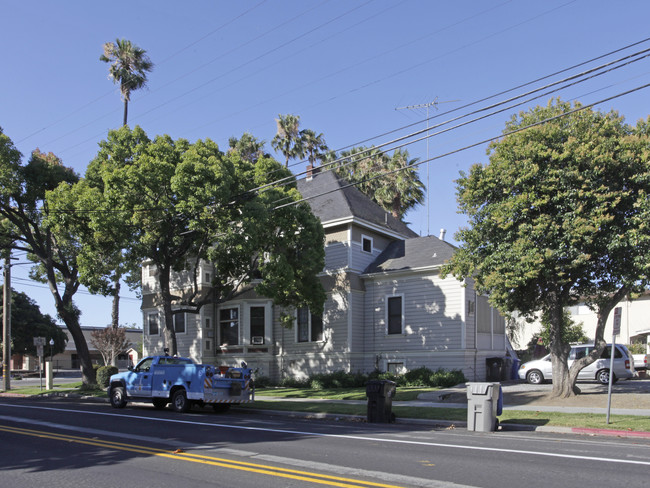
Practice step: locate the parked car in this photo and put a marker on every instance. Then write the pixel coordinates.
(540, 370)
(641, 361)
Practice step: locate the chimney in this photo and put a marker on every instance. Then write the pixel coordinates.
(312, 171)
(442, 234)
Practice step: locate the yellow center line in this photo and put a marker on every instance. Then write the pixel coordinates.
(203, 459)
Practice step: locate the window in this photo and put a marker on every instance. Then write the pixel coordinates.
(229, 326)
(208, 277)
(366, 244)
(394, 314)
(310, 326)
(179, 323)
(257, 323)
(153, 323)
(395, 368)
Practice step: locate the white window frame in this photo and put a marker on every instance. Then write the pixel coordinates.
(386, 317)
(149, 315)
(309, 331)
(240, 339)
(248, 333)
(174, 315)
(372, 243)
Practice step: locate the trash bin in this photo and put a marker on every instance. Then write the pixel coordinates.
(514, 375)
(380, 395)
(484, 402)
(493, 368)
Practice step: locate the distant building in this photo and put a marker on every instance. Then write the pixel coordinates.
(69, 359)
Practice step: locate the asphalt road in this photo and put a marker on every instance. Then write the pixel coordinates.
(57, 442)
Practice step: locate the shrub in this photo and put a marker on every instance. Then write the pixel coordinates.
(104, 374)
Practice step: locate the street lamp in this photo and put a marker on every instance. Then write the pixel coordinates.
(52, 355)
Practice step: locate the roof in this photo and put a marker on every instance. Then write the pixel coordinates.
(331, 200)
(410, 254)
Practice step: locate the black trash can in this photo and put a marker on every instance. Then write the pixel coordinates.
(380, 395)
(494, 369)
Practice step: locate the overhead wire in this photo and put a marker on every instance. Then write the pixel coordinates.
(479, 143)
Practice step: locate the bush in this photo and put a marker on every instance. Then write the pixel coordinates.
(104, 374)
(424, 377)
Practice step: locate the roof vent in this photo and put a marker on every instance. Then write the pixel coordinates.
(442, 234)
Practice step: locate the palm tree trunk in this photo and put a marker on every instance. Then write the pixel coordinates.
(126, 110)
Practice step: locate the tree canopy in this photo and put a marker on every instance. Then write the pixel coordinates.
(187, 202)
(28, 322)
(23, 210)
(559, 215)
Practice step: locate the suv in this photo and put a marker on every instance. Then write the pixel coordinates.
(536, 372)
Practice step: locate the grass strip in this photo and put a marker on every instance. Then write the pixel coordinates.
(526, 417)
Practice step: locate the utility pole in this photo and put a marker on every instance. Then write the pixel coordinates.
(433, 103)
(6, 322)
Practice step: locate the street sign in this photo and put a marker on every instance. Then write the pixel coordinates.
(617, 320)
(39, 341)
(39, 351)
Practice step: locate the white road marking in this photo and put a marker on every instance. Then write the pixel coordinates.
(344, 436)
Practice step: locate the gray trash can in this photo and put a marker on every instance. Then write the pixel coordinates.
(380, 395)
(482, 403)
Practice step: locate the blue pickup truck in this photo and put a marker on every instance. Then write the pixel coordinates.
(181, 382)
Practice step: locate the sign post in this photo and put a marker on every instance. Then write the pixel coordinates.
(39, 342)
(612, 354)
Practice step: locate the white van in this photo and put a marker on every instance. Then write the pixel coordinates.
(540, 370)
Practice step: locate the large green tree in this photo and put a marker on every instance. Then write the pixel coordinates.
(559, 215)
(23, 209)
(187, 202)
(28, 322)
(129, 65)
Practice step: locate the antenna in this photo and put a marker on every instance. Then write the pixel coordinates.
(433, 103)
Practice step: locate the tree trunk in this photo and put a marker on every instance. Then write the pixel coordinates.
(563, 387)
(169, 333)
(65, 309)
(126, 111)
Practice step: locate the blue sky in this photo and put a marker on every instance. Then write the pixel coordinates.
(347, 67)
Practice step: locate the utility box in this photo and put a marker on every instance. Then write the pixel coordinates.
(380, 395)
(483, 405)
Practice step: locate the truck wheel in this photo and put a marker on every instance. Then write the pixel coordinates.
(180, 403)
(118, 398)
(160, 403)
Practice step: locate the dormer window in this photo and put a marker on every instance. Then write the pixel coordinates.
(366, 244)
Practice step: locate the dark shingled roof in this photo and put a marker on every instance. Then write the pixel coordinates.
(411, 254)
(333, 202)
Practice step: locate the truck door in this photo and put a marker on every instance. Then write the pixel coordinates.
(139, 384)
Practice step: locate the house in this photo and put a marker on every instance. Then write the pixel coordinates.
(387, 307)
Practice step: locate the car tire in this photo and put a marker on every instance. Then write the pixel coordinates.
(603, 377)
(118, 397)
(180, 403)
(535, 377)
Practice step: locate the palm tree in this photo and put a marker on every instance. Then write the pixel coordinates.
(401, 189)
(287, 140)
(129, 67)
(314, 145)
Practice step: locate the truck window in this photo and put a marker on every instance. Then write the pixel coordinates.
(144, 365)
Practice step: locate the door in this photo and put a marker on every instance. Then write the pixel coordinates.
(140, 379)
